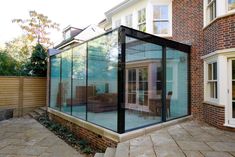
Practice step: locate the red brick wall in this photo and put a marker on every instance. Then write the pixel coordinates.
(214, 115)
(96, 141)
(220, 35)
(187, 28)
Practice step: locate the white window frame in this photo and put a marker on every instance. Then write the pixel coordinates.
(141, 23)
(207, 82)
(129, 23)
(162, 20)
(207, 10)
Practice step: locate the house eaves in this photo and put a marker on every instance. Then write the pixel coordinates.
(117, 8)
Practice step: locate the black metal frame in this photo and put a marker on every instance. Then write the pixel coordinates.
(122, 33)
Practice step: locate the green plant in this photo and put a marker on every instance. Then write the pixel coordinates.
(66, 134)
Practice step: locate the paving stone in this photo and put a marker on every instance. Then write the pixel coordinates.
(191, 145)
(168, 152)
(163, 140)
(32, 150)
(143, 140)
(122, 150)
(193, 154)
(142, 151)
(11, 150)
(216, 154)
(222, 146)
(233, 153)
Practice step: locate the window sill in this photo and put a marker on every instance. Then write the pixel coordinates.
(229, 125)
(213, 103)
(229, 13)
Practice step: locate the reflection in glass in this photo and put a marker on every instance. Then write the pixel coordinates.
(102, 81)
(66, 65)
(176, 84)
(143, 65)
(55, 94)
(231, 4)
(79, 82)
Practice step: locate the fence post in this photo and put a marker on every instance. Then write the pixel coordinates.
(21, 93)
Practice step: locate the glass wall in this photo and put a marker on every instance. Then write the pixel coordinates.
(55, 96)
(143, 83)
(176, 83)
(65, 85)
(102, 81)
(79, 82)
(122, 80)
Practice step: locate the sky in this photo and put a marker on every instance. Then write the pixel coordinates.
(77, 13)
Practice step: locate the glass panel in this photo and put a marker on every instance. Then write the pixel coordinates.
(160, 12)
(231, 4)
(143, 64)
(142, 27)
(141, 16)
(233, 69)
(129, 20)
(102, 80)
(215, 71)
(233, 90)
(233, 110)
(55, 93)
(79, 82)
(66, 64)
(131, 86)
(209, 71)
(161, 27)
(176, 84)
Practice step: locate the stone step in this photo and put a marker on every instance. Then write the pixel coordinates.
(110, 152)
(33, 114)
(40, 111)
(26, 116)
(122, 150)
(99, 155)
(43, 108)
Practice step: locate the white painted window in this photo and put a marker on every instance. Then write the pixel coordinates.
(161, 19)
(212, 80)
(128, 20)
(117, 23)
(142, 20)
(231, 5)
(211, 10)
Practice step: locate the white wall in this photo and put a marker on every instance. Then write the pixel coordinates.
(148, 4)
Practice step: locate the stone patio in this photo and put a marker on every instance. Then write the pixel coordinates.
(188, 139)
(27, 138)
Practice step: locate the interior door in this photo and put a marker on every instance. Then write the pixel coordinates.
(138, 86)
(232, 93)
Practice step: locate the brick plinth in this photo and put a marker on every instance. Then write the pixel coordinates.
(215, 116)
(96, 141)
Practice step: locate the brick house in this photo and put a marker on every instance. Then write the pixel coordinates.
(174, 59)
(209, 27)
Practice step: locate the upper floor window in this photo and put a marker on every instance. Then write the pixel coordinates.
(211, 10)
(212, 80)
(161, 19)
(129, 20)
(117, 23)
(142, 20)
(231, 5)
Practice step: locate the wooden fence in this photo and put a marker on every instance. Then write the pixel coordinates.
(22, 94)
